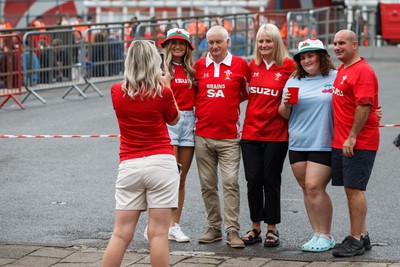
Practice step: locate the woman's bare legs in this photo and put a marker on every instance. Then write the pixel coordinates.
(184, 156)
(313, 179)
(124, 229)
(158, 228)
(125, 225)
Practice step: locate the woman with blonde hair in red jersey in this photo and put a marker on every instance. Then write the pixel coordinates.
(179, 61)
(148, 176)
(264, 140)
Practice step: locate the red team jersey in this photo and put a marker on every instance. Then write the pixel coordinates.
(184, 95)
(218, 97)
(263, 121)
(142, 123)
(355, 85)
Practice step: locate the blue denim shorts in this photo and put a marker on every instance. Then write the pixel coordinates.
(352, 172)
(182, 134)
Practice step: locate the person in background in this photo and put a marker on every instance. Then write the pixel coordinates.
(45, 74)
(355, 138)
(179, 61)
(79, 28)
(30, 65)
(396, 142)
(9, 65)
(4, 25)
(62, 21)
(61, 61)
(39, 23)
(148, 176)
(221, 84)
(265, 140)
(310, 137)
(197, 30)
(131, 28)
(238, 44)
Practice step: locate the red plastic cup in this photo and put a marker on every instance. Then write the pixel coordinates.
(294, 95)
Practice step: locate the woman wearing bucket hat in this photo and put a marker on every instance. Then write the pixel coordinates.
(265, 140)
(179, 61)
(310, 136)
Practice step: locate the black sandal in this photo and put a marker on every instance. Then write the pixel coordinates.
(272, 241)
(248, 239)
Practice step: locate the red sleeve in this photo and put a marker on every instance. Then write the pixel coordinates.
(170, 110)
(245, 82)
(365, 91)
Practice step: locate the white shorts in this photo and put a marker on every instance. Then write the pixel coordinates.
(148, 182)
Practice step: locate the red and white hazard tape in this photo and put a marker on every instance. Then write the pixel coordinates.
(389, 125)
(98, 135)
(58, 136)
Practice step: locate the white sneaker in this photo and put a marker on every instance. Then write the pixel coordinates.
(175, 233)
(145, 234)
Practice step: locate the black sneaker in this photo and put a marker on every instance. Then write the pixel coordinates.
(350, 247)
(344, 242)
(364, 238)
(366, 241)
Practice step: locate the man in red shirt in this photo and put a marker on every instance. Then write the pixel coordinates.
(356, 137)
(221, 83)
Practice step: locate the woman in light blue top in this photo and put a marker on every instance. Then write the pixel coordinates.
(310, 136)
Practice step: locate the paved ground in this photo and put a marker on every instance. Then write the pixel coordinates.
(56, 195)
(43, 256)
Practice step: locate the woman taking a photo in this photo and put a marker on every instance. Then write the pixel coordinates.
(148, 176)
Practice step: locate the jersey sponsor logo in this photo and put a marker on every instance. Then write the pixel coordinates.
(228, 74)
(180, 80)
(278, 76)
(215, 86)
(263, 91)
(328, 89)
(215, 90)
(338, 92)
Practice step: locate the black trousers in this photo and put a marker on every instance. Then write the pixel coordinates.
(263, 164)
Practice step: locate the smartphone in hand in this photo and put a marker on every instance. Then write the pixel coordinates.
(162, 60)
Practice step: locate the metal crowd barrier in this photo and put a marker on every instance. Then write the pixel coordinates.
(197, 28)
(241, 30)
(104, 51)
(155, 31)
(321, 23)
(53, 59)
(10, 68)
(279, 19)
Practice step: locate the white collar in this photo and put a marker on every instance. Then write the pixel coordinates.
(270, 64)
(227, 60)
